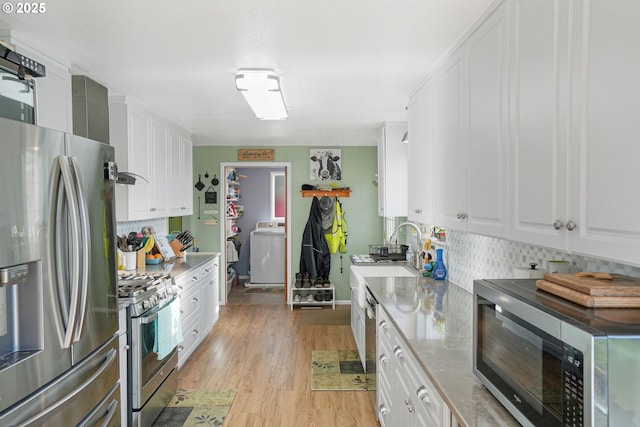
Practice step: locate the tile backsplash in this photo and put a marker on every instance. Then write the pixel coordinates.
(471, 256)
(159, 225)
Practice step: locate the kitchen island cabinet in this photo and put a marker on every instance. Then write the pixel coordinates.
(430, 381)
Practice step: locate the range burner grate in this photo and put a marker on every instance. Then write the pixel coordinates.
(134, 284)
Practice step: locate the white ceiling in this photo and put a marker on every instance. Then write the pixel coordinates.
(345, 66)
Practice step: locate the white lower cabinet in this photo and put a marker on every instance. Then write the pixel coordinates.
(406, 396)
(199, 308)
(357, 325)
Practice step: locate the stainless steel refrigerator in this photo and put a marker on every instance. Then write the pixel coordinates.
(58, 299)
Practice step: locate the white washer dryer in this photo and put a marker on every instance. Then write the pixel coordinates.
(266, 256)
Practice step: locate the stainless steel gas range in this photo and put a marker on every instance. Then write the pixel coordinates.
(151, 370)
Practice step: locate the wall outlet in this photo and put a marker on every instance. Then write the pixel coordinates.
(212, 221)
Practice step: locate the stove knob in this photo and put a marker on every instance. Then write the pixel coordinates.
(145, 304)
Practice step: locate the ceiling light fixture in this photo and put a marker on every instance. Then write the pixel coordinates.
(261, 89)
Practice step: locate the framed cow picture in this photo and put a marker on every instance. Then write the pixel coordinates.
(325, 164)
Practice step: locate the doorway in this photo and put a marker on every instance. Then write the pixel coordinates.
(238, 223)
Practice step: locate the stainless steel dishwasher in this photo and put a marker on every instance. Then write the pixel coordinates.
(370, 340)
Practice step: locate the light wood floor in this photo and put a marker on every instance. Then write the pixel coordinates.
(263, 352)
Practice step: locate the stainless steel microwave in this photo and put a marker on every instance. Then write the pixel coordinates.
(17, 86)
(551, 362)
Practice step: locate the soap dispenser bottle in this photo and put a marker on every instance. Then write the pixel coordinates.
(439, 269)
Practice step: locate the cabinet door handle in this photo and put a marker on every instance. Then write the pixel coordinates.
(557, 224)
(383, 359)
(195, 332)
(423, 394)
(194, 299)
(383, 324)
(571, 225)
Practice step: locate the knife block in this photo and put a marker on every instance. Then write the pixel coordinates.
(177, 247)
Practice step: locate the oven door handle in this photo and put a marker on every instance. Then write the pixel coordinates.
(148, 319)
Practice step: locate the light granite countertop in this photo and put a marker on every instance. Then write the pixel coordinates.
(435, 319)
(177, 266)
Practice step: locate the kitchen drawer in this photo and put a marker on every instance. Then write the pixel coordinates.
(190, 303)
(427, 400)
(384, 409)
(191, 336)
(386, 330)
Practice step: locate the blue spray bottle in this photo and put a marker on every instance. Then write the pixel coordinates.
(439, 269)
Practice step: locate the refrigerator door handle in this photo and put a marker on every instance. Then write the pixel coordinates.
(75, 245)
(60, 303)
(84, 249)
(111, 411)
(108, 360)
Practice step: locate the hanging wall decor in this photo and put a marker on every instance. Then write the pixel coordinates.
(210, 196)
(325, 164)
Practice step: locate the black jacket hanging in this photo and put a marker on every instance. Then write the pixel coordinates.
(315, 257)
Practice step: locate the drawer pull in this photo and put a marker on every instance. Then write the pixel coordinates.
(383, 410)
(409, 404)
(398, 352)
(195, 300)
(195, 332)
(423, 394)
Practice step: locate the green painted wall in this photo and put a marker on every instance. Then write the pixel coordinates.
(359, 166)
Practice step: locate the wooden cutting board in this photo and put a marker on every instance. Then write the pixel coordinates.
(620, 286)
(587, 300)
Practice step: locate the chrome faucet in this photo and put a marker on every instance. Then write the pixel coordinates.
(417, 259)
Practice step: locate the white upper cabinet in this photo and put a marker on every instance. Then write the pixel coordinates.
(146, 145)
(421, 155)
(486, 136)
(535, 127)
(472, 131)
(539, 117)
(392, 170)
(604, 150)
(449, 147)
(160, 166)
(180, 173)
(130, 135)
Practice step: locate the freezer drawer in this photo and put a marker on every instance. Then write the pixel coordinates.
(77, 395)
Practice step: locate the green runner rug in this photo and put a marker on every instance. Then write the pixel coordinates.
(191, 408)
(339, 370)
